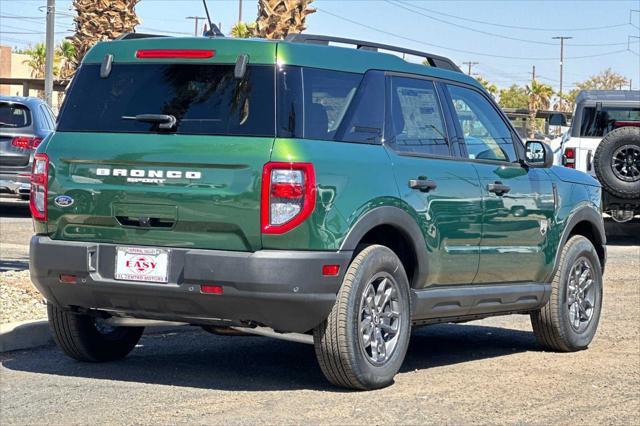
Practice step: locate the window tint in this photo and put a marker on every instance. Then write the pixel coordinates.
(328, 94)
(321, 104)
(415, 119)
(204, 99)
(486, 135)
(14, 116)
(365, 117)
(598, 124)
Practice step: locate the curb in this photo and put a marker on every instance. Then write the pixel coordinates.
(35, 333)
(24, 335)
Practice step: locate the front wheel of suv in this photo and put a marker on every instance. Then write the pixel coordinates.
(569, 320)
(363, 342)
(86, 338)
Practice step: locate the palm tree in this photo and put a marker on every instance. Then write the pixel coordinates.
(489, 87)
(278, 18)
(67, 53)
(243, 30)
(539, 98)
(99, 20)
(36, 60)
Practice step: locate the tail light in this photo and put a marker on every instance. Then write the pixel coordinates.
(569, 158)
(39, 187)
(288, 196)
(25, 142)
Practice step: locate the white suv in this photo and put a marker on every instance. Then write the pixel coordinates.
(604, 141)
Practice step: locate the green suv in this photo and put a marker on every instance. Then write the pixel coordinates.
(332, 195)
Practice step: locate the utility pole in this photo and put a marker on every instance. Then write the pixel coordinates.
(533, 73)
(562, 39)
(48, 62)
(239, 10)
(197, 27)
(470, 64)
(630, 84)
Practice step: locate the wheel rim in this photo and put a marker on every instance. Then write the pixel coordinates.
(380, 320)
(626, 163)
(102, 327)
(581, 294)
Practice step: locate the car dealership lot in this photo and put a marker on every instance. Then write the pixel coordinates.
(488, 371)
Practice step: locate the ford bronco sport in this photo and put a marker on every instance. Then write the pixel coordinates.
(327, 194)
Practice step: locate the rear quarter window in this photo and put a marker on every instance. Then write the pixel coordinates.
(14, 116)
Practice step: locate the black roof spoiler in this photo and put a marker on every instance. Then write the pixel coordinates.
(133, 36)
(433, 60)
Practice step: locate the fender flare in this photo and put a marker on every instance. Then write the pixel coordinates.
(404, 223)
(583, 214)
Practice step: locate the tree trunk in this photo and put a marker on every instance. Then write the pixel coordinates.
(532, 123)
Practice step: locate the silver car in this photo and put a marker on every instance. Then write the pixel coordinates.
(24, 123)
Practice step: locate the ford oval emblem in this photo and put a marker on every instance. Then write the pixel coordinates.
(63, 201)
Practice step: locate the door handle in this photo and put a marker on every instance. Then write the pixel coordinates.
(423, 185)
(498, 188)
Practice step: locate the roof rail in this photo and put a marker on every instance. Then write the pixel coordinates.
(433, 60)
(132, 36)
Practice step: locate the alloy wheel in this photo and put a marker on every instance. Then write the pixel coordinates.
(380, 320)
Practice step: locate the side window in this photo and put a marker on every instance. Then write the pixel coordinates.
(414, 119)
(313, 103)
(486, 135)
(364, 120)
(327, 96)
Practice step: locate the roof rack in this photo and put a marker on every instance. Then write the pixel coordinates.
(433, 60)
(132, 36)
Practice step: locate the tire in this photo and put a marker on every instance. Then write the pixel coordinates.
(617, 162)
(344, 357)
(555, 324)
(79, 337)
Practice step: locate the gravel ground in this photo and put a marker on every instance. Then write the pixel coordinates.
(19, 300)
(484, 372)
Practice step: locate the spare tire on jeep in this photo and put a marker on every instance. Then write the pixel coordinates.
(617, 162)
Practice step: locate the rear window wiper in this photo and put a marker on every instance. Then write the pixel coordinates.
(164, 121)
(7, 124)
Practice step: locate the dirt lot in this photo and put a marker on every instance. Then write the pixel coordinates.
(488, 371)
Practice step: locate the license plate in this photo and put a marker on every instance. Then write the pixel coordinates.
(142, 264)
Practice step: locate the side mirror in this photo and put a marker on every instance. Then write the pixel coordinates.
(538, 154)
(557, 119)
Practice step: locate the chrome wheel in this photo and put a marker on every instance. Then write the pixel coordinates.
(380, 319)
(626, 163)
(581, 294)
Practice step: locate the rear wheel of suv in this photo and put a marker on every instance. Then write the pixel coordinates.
(86, 338)
(363, 342)
(617, 162)
(569, 320)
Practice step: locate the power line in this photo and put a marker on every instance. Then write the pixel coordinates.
(490, 55)
(519, 27)
(502, 36)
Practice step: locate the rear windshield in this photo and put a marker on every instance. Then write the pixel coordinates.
(14, 116)
(599, 123)
(204, 99)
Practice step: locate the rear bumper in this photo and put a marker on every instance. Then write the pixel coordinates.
(610, 202)
(14, 183)
(284, 290)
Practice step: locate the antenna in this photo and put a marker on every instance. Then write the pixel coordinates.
(213, 30)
